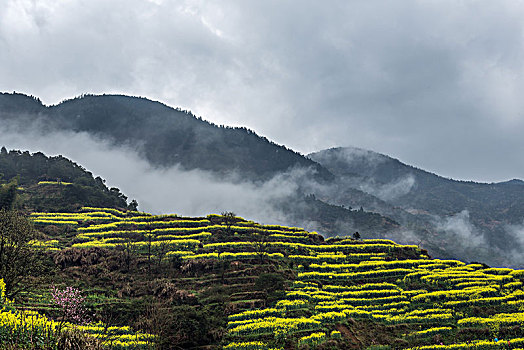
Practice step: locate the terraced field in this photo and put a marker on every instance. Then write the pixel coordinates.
(341, 293)
(30, 329)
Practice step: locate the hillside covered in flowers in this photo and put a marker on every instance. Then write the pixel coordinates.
(226, 282)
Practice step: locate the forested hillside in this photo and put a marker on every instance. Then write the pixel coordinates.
(421, 197)
(425, 191)
(53, 183)
(165, 136)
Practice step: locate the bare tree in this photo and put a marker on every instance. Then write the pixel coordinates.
(261, 247)
(149, 234)
(229, 219)
(128, 250)
(160, 251)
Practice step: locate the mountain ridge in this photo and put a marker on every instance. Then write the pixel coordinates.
(175, 137)
(489, 207)
(415, 204)
(386, 157)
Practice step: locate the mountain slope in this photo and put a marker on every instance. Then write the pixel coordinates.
(163, 135)
(408, 204)
(490, 208)
(424, 190)
(226, 282)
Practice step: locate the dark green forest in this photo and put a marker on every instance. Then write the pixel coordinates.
(52, 183)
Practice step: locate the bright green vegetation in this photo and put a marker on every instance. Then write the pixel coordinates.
(225, 281)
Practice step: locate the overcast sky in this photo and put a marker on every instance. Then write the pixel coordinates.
(437, 84)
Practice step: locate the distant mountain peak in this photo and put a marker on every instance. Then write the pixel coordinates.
(512, 182)
(350, 152)
(353, 161)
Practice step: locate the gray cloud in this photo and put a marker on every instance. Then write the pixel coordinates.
(516, 255)
(196, 192)
(458, 234)
(517, 231)
(436, 84)
(460, 226)
(171, 190)
(391, 190)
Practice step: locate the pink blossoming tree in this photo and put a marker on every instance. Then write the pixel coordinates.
(71, 304)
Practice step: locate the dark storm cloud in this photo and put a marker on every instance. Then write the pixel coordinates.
(434, 83)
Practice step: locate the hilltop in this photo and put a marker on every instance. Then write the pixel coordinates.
(163, 135)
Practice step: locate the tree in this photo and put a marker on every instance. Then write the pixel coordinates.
(71, 304)
(128, 248)
(356, 235)
(116, 192)
(149, 237)
(160, 251)
(8, 194)
(229, 219)
(261, 247)
(18, 258)
(272, 284)
(133, 205)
